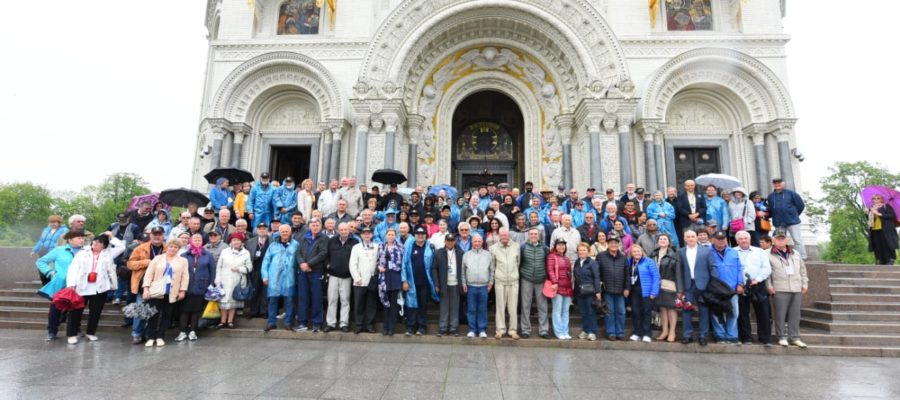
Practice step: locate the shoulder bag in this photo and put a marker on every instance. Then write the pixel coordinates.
(549, 291)
(243, 292)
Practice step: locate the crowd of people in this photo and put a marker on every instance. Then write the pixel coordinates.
(318, 254)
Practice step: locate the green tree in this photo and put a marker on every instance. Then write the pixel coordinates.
(24, 208)
(842, 208)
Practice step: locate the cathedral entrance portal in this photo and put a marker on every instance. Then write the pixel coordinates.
(488, 143)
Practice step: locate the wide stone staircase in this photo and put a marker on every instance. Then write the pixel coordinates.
(859, 316)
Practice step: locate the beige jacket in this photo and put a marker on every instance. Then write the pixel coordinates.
(506, 263)
(180, 275)
(780, 280)
(362, 263)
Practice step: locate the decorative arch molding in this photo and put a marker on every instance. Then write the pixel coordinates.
(758, 88)
(292, 111)
(695, 102)
(242, 87)
(575, 22)
(487, 81)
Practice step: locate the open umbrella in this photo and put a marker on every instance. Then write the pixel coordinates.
(721, 181)
(388, 176)
(451, 191)
(153, 198)
(181, 197)
(234, 175)
(890, 196)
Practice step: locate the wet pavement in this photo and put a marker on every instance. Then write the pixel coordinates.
(232, 368)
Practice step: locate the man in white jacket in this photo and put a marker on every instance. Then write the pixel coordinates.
(363, 257)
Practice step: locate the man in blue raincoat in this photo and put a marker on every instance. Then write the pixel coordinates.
(717, 208)
(285, 201)
(417, 283)
(390, 221)
(279, 275)
(259, 203)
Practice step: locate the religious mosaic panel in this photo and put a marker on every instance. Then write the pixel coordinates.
(484, 141)
(299, 17)
(689, 15)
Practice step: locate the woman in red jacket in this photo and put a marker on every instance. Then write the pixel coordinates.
(559, 273)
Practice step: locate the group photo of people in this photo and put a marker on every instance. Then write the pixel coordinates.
(312, 257)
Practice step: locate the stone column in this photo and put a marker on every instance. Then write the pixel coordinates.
(625, 150)
(415, 125)
(784, 156)
(215, 155)
(362, 131)
(650, 162)
(609, 153)
(326, 154)
(236, 147)
(593, 130)
(762, 160)
(335, 165)
(660, 162)
(390, 131)
(564, 124)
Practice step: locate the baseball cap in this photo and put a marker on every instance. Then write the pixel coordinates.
(450, 237)
(121, 215)
(720, 235)
(143, 237)
(612, 236)
(157, 230)
(366, 230)
(264, 175)
(779, 232)
(777, 180)
(262, 225)
(420, 230)
(213, 233)
(639, 191)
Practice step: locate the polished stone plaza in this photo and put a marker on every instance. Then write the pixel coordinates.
(230, 368)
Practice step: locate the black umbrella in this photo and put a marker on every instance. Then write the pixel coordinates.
(388, 176)
(181, 197)
(234, 175)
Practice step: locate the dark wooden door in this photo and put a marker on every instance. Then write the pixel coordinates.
(290, 161)
(693, 162)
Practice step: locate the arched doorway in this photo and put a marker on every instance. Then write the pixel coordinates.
(487, 143)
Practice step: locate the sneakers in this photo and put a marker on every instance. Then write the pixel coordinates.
(73, 340)
(280, 316)
(583, 335)
(181, 337)
(136, 340)
(301, 329)
(160, 343)
(783, 343)
(647, 339)
(564, 337)
(482, 335)
(192, 336)
(799, 343)
(150, 343)
(470, 335)
(592, 337)
(92, 338)
(514, 336)
(116, 302)
(50, 337)
(316, 328)
(635, 338)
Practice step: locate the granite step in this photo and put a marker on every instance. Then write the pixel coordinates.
(862, 316)
(867, 327)
(856, 306)
(40, 314)
(866, 289)
(865, 297)
(864, 274)
(893, 282)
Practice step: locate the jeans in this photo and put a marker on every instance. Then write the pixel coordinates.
(615, 320)
(138, 326)
(309, 286)
(529, 291)
(95, 307)
(561, 315)
(338, 292)
(761, 308)
(693, 295)
(588, 314)
(415, 317)
(122, 293)
(477, 315)
(273, 311)
(727, 330)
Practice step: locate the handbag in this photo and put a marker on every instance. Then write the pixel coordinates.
(549, 291)
(243, 293)
(667, 285)
(765, 225)
(737, 224)
(586, 289)
(157, 289)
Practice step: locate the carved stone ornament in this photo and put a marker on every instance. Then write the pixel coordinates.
(376, 121)
(389, 89)
(611, 107)
(361, 89)
(597, 89)
(609, 122)
(626, 88)
(375, 107)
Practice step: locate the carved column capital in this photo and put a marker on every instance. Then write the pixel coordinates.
(625, 123)
(391, 123)
(415, 123)
(609, 123)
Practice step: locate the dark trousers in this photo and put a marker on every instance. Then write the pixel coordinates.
(256, 306)
(693, 295)
(95, 308)
(364, 306)
(761, 309)
(449, 320)
(415, 317)
(159, 322)
(391, 312)
(641, 312)
(53, 318)
(309, 286)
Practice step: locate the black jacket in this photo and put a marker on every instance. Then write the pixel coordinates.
(587, 273)
(683, 209)
(612, 272)
(253, 246)
(587, 238)
(339, 256)
(317, 255)
(440, 265)
(670, 268)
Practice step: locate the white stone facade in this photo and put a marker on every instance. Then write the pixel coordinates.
(606, 97)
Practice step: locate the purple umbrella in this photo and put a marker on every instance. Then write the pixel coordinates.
(890, 196)
(153, 198)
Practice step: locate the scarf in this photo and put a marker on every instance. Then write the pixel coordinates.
(391, 259)
(196, 251)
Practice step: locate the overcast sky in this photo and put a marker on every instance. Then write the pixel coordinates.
(118, 86)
